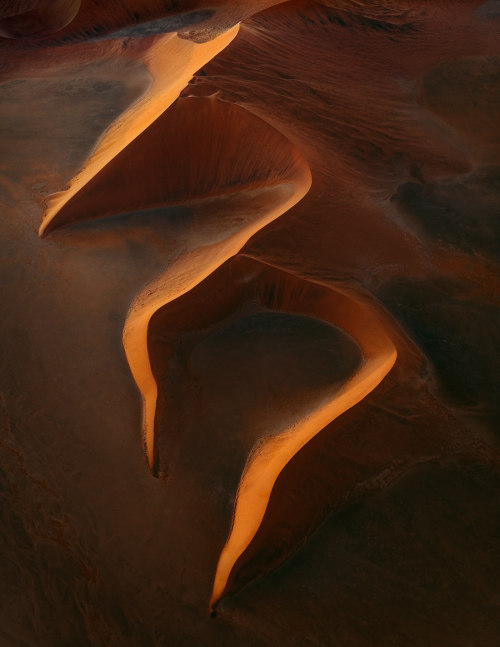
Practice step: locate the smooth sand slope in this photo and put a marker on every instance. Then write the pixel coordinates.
(171, 62)
(291, 426)
(251, 316)
(223, 169)
(230, 170)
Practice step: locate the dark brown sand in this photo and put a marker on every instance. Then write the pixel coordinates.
(249, 256)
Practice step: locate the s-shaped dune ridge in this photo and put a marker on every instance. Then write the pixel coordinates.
(234, 174)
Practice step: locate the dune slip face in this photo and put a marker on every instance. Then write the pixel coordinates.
(349, 373)
(171, 62)
(249, 255)
(136, 170)
(210, 175)
(227, 184)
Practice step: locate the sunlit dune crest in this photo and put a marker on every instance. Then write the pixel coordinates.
(171, 62)
(271, 455)
(251, 303)
(276, 431)
(248, 203)
(236, 174)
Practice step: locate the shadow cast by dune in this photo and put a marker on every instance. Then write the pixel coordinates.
(267, 360)
(229, 174)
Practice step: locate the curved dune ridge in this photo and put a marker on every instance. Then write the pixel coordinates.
(36, 18)
(200, 148)
(208, 157)
(232, 187)
(269, 457)
(244, 187)
(171, 62)
(329, 372)
(249, 281)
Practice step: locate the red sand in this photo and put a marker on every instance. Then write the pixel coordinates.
(294, 267)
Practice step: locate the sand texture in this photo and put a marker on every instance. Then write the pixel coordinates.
(249, 388)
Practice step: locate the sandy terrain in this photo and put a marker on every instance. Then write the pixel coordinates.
(248, 388)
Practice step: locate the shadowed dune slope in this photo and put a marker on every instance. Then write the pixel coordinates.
(171, 62)
(236, 174)
(36, 18)
(265, 432)
(200, 147)
(232, 273)
(36, 24)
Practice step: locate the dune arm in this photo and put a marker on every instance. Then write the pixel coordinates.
(189, 270)
(171, 61)
(269, 457)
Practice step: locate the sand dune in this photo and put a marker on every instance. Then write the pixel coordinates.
(271, 456)
(248, 281)
(200, 148)
(231, 174)
(171, 62)
(206, 156)
(223, 221)
(36, 18)
(229, 220)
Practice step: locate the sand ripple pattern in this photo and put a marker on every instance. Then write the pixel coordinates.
(231, 174)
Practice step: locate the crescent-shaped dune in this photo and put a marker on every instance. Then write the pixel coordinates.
(250, 281)
(249, 208)
(234, 187)
(208, 157)
(269, 459)
(250, 289)
(171, 62)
